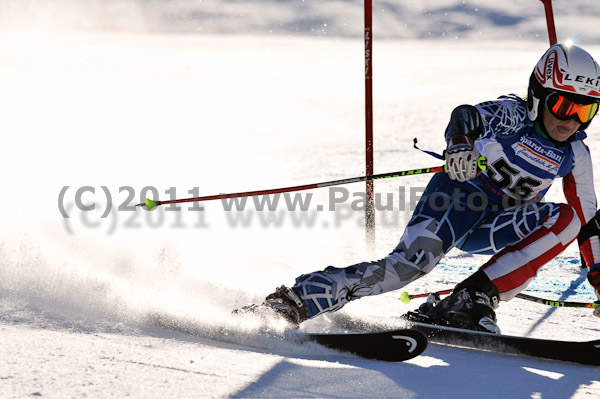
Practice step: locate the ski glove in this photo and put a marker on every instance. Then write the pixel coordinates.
(594, 279)
(461, 158)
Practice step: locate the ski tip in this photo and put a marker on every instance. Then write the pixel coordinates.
(405, 298)
(390, 345)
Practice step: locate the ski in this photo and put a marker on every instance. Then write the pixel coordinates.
(391, 346)
(387, 345)
(587, 352)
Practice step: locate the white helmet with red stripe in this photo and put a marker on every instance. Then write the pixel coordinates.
(569, 70)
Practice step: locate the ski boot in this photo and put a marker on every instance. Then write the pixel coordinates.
(471, 306)
(288, 304)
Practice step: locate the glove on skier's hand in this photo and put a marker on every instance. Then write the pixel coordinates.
(594, 279)
(461, 159)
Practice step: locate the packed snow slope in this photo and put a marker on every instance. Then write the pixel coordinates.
(106, 104)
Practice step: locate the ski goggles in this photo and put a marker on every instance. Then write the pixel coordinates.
(564, 108)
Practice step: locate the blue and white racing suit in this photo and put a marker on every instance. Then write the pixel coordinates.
(498, 213)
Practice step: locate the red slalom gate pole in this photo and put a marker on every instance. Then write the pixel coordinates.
(550, 21)
(369, 169)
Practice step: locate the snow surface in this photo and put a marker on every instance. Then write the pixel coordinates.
(93, 96)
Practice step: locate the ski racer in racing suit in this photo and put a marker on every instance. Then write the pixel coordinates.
(528, 144)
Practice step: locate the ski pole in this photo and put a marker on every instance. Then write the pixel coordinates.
(149, 204)
(559, 304)
(406, 297)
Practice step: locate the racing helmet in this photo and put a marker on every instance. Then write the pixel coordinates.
(571, 75)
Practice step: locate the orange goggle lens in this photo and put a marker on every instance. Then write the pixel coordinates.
(563, 108)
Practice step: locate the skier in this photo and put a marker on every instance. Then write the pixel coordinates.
(528, 142)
